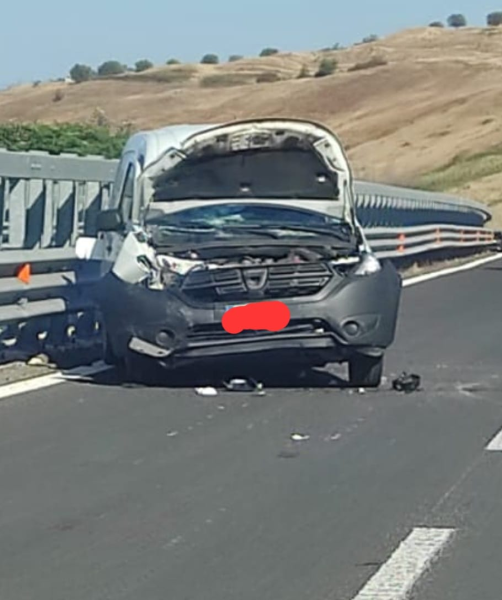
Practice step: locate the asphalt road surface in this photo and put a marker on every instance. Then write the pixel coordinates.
(113, 492)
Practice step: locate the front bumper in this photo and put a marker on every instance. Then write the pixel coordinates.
(163, 326)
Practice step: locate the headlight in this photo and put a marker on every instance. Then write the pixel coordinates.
(368, 266)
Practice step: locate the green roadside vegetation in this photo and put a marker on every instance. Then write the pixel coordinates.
(463, 169)
(75, 138)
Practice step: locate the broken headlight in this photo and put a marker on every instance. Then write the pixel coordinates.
(369, 265)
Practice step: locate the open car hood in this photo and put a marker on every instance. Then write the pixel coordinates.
(284, 162)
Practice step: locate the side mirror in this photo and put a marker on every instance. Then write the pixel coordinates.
(109, 220)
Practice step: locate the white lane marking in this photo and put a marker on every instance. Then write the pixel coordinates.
(397, 577)
(44, 381)
(451, 271)
(496, 444)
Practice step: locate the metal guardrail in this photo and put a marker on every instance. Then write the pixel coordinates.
(381, 205)
(396, 243)
(48, 201)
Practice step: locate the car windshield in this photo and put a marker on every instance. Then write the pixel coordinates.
(291, 173)
(238, 214)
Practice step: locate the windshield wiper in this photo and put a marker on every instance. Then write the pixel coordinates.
(267, 230)
(339, 233)
(201, 227)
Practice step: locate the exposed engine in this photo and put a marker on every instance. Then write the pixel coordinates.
(231, 272)
(250, 272)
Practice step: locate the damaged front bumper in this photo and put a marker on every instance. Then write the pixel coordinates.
(358, 316)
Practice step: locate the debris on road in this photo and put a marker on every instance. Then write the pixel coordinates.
(300, 437)
(238, 385)
(206, 391)
(39, 360)
(406, 383)
(289, 454)
(259, 389)
(361, 391)
(244, 385)
(172, 434)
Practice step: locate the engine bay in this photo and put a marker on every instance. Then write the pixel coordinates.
(233, 270)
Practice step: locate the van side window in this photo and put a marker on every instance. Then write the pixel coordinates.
(127, 195)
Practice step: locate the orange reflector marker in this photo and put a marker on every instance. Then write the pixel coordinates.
(24, 273)
(402, 241)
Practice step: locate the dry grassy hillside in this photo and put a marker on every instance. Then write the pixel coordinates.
(436, 105)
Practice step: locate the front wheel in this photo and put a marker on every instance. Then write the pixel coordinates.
(109, 355)
(138, 369)
(365, 371)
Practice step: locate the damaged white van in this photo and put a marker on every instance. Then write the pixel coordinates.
(205, 218)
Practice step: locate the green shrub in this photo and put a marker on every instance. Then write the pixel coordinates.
(269, 52)
(210, 59)
(80, 73)
(235, 57)
(457, 21)
(143, 65)
(173, 61)
(111, 68)
(327, 67)
(494, 19)
(78, 138)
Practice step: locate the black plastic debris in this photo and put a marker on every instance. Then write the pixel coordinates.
(244, 385)
(407, 383)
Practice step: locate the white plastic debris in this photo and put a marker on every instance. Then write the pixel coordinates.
(361, 391)
(206, 391)
(300, 437)
(172, 434)
(259, 389)
(40, 360)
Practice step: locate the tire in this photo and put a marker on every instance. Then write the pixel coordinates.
(137, 369)
(109, 355)
(365, 371)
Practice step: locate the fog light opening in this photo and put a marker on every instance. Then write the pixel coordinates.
(165, 338)
(352, 328)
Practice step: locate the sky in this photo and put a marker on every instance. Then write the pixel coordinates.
(43, 39)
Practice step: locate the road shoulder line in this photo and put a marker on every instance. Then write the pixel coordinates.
(397, 577)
